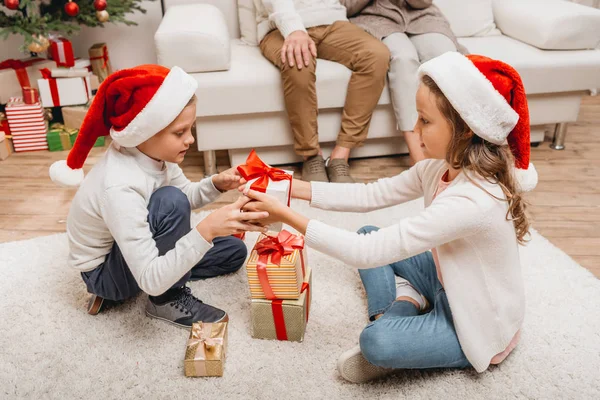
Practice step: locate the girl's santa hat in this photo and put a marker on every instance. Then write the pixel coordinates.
(131, 106)
(489, 96)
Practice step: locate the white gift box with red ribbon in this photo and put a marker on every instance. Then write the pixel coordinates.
(55, 92)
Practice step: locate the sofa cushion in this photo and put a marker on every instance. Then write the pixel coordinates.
(562, 26)
(469, 17)
(253, 84)
(542, 71)
(247, 18)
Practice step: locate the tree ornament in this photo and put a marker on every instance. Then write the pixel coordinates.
(11, 4)
(100, 5)
(71, 8)
(41, 45)
(102, 16)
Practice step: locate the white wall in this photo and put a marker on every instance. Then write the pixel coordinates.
(127, 45)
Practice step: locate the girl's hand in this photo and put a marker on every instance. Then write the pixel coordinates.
(230, 219)
(300, 189)
(266, 203)
(228, 180)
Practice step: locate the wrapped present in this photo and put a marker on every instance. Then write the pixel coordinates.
(4, 124)
(206, 347)
(276, 266)
(63, 91)
(5, 147)
(282, 319)
(240, 236)
(98, 143)
(30, 95)
(61, 51)
(73, 115)
(27, 125)
(266, 179)
(17, 74)
(81, 68)
(59, 137)
(100, 62)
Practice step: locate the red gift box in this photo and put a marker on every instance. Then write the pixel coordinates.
(27, 125)
(61, 51)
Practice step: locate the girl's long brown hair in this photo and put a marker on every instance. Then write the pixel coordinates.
(492, 162)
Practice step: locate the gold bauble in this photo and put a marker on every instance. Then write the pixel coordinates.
(102, 16)
(41, 45)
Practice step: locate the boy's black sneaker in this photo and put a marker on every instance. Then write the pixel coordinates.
(183, 309)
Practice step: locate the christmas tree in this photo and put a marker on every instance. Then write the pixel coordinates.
(36, 19)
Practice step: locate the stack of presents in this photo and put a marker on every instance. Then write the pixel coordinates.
(279, 279)
(43, 100)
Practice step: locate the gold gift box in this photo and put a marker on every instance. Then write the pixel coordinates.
(282, 319)
(205, 352)
(285, 278)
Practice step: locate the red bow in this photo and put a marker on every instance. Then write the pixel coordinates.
(256, 168)
(20, 69)
(276, 247)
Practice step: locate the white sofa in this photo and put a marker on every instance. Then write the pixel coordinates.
(240, 100)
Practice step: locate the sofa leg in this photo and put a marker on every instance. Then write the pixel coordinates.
(560, 133)
(210, 162)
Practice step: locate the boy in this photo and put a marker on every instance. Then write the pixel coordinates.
(129, 222)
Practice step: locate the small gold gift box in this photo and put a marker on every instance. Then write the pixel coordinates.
(205, 352)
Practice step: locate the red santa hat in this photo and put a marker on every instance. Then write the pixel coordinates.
(489, 96)
(131, 106)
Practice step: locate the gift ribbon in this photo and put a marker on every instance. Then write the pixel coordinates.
(274, 248)
(207, 346)
(104, 57)
(255, 168)
(278, 316)
(19, 67)
(47, 74)
(62, 52)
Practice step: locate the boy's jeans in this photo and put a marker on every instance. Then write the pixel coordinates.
(169, 219)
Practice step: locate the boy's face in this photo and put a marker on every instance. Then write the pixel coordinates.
(172, 143)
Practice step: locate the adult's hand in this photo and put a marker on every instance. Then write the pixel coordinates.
(297, 49)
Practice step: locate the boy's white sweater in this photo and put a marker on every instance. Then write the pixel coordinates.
(296, 15)
(112, 205)
(477, 247)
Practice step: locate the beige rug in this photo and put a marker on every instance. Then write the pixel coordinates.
(50, 348)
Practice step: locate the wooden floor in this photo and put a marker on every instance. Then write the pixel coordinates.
(565, 206)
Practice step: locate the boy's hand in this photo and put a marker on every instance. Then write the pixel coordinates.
(230, 219)
(228, 180)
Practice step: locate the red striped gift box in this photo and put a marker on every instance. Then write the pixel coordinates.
(27, 125)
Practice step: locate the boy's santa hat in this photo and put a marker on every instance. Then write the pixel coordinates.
(489, 96)
(131, 105)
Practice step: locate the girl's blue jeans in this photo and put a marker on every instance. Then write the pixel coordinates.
(402, 338)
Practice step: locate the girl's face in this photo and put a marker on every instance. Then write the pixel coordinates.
(433, 128)
(172, 143)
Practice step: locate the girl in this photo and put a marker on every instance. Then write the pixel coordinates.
(462, 303)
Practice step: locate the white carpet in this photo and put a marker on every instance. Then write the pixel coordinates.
(50, 348)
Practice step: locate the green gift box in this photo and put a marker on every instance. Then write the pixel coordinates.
(60, 138)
